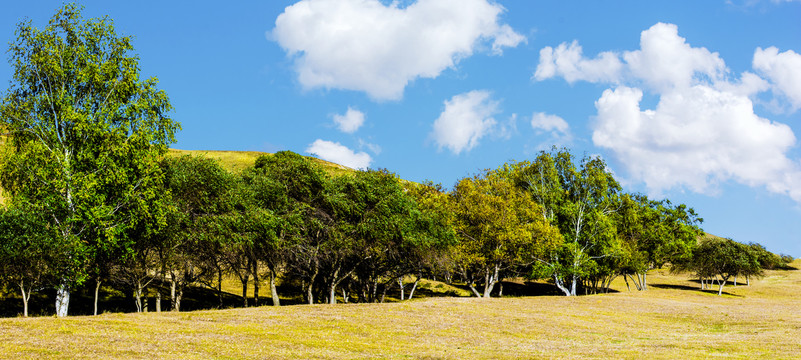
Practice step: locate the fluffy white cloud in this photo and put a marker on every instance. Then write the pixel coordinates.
(696, 138)
(665, 61)
(783, 70)
(466, 119)
(349, 122)
(364, 45)
(568, 62)
(337, 153)
(703, 130)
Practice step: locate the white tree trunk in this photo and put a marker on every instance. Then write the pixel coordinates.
(62, 300)
(274, 290)
(414, 287)
(25, 298)
(402, 292)
(560, 284)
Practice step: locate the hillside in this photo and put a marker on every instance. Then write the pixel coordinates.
(674, 319)
(239, 160)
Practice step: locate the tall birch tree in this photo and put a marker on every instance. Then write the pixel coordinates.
(86, 134)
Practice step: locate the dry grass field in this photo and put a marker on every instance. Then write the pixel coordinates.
(673, 319)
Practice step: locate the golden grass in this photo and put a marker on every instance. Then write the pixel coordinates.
(673, 319)
(239, 160)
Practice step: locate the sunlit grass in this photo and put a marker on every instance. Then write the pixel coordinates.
(673, 319)
(239, 160)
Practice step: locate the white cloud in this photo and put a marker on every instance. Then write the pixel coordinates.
(349, 122)
(696, 139)
(546, 122)
(665, 61)
(703, 131)
(466, 119)
(364, 45)
(783, 70)
(555, 126)
(337, 153)
(568, 62)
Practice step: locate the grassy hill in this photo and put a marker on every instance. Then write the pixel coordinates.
(673, 319)
(239, 160)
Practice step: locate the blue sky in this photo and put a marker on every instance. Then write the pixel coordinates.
(696, 101)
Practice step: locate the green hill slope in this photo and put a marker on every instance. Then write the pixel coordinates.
(239, 160)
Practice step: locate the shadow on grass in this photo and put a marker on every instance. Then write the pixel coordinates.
(692, 288)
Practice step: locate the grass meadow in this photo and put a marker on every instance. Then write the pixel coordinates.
(673, 319)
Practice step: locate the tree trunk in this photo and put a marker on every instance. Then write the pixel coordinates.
(158, 300)
(722, 283)
(332, 288)
(414, 286)
(138, 298)
(25, 298)
(97, 294)
(245, 290)
(402, 290)
(256, 283)
(219, 287)
(473, 288)
(178, 295)
(62, 299)
(735, 280)
(573, 285)
(274, 289)
(560, 284)
(383, 293)
(489, 283)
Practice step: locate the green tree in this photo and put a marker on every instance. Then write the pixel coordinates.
(654, 233)
(500, 229)
(197, 188)
(580, 201)
(26, 256)
(86, 133)
(724, 258)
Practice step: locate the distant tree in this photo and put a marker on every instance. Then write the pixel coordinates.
(500, 229)
(722, 258)
(86, 133)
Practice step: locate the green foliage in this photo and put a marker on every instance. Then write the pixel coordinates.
(86, 133)
(500, 229)
(580, 201)
(725, 258)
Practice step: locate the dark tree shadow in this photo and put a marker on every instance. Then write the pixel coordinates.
(692, 288)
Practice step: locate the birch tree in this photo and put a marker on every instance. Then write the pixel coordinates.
(579, 200)
(86, 133)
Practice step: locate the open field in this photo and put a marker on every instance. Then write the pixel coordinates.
(673, 319)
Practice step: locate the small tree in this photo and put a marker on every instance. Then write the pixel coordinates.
(724, 258)
(25, 252)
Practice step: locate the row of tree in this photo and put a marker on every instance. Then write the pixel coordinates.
(91, 198)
